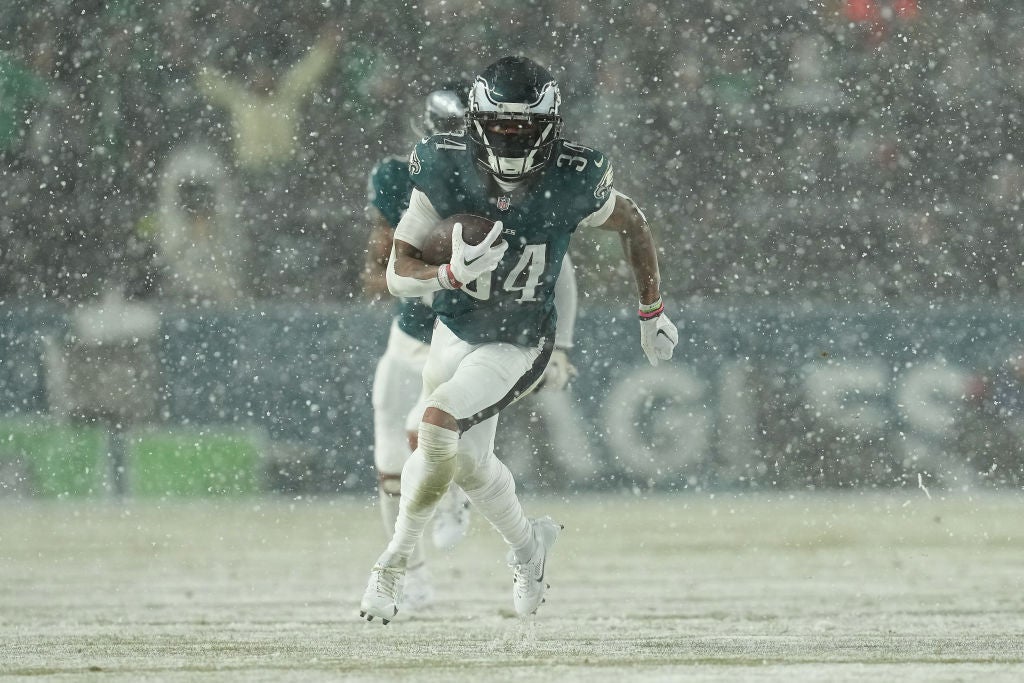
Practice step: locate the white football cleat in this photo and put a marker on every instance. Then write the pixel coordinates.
(451, 518)
(383, 591)
(417, 591)
(529, 584)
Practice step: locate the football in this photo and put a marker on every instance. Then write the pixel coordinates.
(437, 249)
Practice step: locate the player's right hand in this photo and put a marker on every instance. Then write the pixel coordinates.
(470, 261)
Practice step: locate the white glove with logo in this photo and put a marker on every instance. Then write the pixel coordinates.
(558, 372)
(471, 261)
(658, 336)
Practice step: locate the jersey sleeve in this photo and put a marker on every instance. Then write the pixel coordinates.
(433, 165)
(588, 182)
(388, 189)
(602, 214)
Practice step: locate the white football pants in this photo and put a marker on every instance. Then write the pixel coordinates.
(471, 382)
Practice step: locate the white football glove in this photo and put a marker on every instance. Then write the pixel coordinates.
(558, 372)
(471, 261)
(658, 337)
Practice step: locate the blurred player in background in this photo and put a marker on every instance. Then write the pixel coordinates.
(495, 302)
(398, 377)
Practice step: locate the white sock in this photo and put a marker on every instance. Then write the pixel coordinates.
(425, 479)
(389, 513)
(495, 498)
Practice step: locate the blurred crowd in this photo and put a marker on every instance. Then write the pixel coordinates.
(217, 151)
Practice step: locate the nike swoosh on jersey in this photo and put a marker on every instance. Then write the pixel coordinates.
(600, 163)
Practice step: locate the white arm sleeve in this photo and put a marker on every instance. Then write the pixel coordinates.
(565, 304)
(413, 228)
(417, 220)
(405, 287)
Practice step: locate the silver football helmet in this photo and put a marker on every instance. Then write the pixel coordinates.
(445, 112)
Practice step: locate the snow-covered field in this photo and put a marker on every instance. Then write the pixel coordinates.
(773, 587)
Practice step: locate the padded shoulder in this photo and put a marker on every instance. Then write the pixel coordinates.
(583, 171)
(389, 187)
(391, 171)
(437, 153)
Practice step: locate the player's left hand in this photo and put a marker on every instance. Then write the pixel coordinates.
(658, 336)
(558, 373)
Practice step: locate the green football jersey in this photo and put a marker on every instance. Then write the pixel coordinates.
(388, 191)
(516, 302)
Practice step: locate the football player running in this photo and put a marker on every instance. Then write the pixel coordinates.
(495, 306)
(397, 379)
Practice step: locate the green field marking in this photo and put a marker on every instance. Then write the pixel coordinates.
(51, 459)
(194, 463)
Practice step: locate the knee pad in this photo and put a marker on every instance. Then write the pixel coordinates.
(437, 444)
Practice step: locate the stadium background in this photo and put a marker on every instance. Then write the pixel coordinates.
(835, 187)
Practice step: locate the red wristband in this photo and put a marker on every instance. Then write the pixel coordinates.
(446, 278)
(647, 313)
